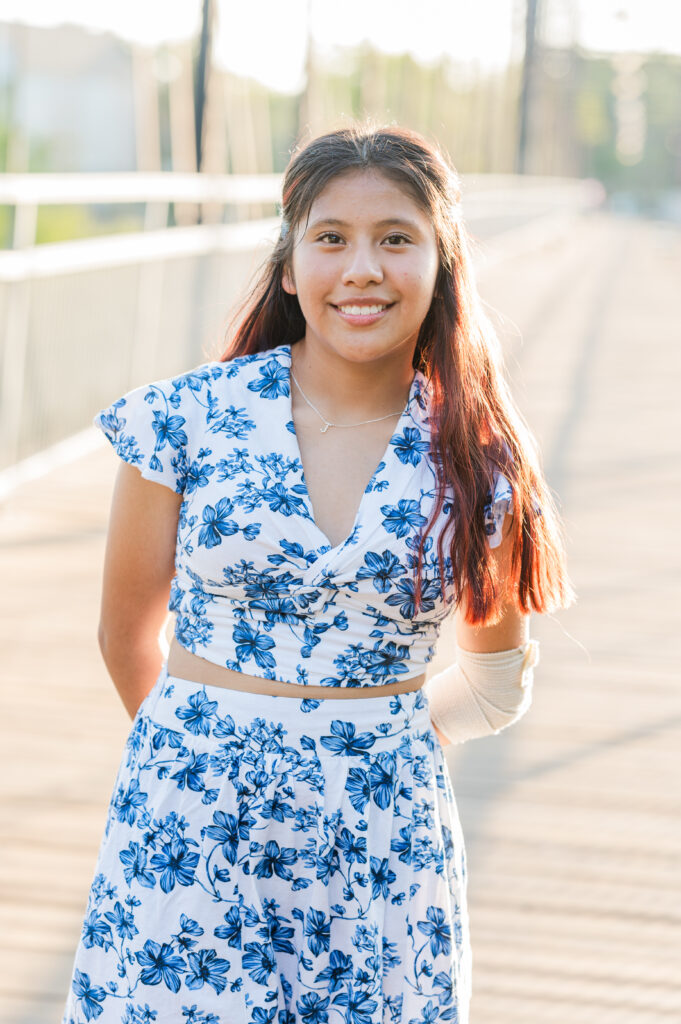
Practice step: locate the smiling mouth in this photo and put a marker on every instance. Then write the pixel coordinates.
(350, 310)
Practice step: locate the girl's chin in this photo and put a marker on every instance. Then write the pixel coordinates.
(362, 349)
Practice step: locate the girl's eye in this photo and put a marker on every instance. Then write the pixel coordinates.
(333, 238)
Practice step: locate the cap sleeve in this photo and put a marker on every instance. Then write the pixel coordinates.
(496, 509)
(147, 427)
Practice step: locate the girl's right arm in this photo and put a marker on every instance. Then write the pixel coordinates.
(139, 565)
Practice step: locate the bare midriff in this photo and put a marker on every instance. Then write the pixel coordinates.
(185, 665)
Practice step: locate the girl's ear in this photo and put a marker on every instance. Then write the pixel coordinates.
(287, 282)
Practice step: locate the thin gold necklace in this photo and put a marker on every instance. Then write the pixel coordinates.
(328, 423)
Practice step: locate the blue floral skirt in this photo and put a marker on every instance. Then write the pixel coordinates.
(270, 859)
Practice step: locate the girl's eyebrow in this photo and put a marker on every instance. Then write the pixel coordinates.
(401, 221)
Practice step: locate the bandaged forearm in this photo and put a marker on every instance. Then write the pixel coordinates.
(481, 694)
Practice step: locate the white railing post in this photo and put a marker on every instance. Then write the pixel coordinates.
(16, 336)
(149, 298)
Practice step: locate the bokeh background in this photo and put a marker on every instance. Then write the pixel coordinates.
(142, 147)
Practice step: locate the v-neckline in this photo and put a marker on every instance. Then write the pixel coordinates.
(328, 546)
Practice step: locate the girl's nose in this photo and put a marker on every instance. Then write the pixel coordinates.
(362, 266)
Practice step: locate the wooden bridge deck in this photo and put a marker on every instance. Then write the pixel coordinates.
(572, 817)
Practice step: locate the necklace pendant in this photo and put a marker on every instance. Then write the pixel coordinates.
(323, 430)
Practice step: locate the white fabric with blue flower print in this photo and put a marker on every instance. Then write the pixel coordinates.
(271, 860)
(258, 587)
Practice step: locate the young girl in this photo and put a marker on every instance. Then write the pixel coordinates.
(283, 843)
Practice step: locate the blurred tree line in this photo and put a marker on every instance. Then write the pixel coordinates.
(613, 117)
(575, 113)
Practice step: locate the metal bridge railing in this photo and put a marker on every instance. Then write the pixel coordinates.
(85, 320)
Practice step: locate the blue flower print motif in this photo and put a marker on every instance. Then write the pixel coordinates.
(168, 429)
(402, 846)
(207, 968)
(90, 997)
(404, 596)
(376, 484)
(192, 1015)
(189, 932)
(252, 644)
(438, 931)
(360, 1005)
(277, 465)
(382, 876)
(198, 714)
(317, 931)
(381, 570)
(272, 382)
(277, 808)
(277, 609)
(191, 773)
(231, 931)
(195, 381)
(217, 523)
(279, 931)
(382, 779)
(123, 921)
(410, 446)
(227, 831)
(400, 519)
(344, 742)
(176, 863)
(280, 499)
(234, 464)
(276, 859)
(134, 860)
(294, 550)
(429, 1014)
(96, 932)
(127, 803)
(262, 586)
(312, 1009)
(199, 473)
(232, 422)
(386, 659)
(353, 848)
(259, 961)
(496, 508)
(338, 972)
(125, 445)
(160, 964)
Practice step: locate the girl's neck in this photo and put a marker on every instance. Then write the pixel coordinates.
(349, 391)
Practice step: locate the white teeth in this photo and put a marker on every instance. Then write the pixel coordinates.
(361, 310)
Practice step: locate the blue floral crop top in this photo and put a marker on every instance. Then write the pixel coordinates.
(258, 587)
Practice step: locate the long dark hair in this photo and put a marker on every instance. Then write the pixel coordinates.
(476, 426)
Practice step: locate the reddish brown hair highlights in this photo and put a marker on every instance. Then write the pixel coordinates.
(476, 425)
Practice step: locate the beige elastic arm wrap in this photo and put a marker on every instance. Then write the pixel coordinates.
(481, 694)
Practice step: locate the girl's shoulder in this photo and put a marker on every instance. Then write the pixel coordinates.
(253, 373)
(160, 426)
(242, 369)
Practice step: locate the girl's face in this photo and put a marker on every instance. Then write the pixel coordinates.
(364, 268)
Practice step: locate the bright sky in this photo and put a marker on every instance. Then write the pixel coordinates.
(266, 38)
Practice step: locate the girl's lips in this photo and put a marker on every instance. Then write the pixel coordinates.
(362, 318)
